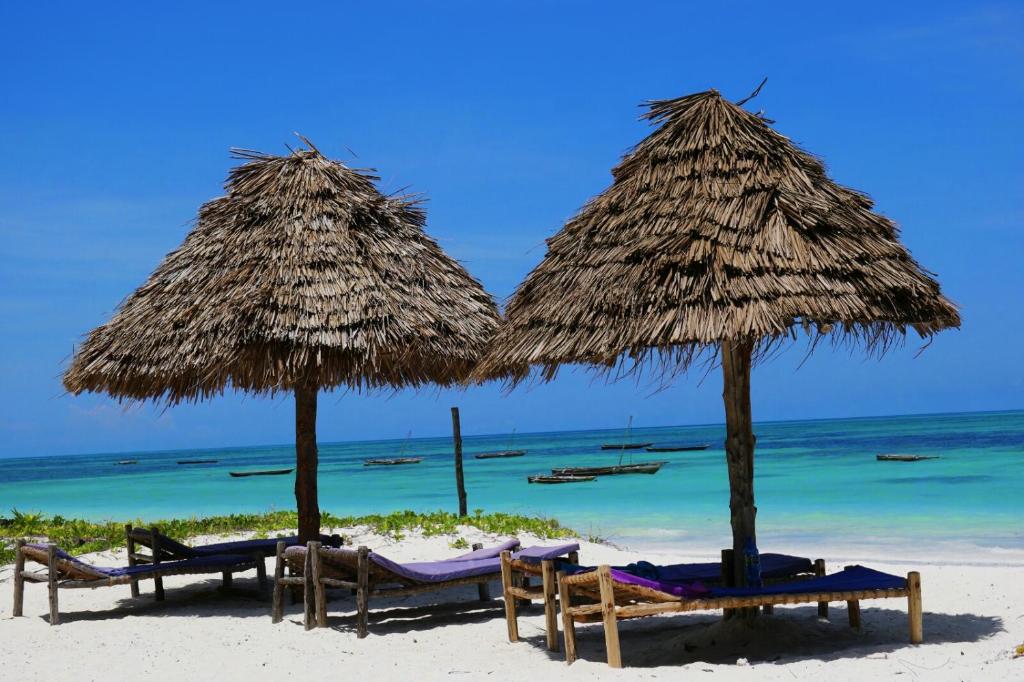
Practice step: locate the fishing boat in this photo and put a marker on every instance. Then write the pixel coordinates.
(626, 444)
(638, 468)
(391, 461)
(904, 458)
(197, 461)
(126, 461)
(265, 472)
(559, 478)
(678, 448)
(509, 452)
(500, 454)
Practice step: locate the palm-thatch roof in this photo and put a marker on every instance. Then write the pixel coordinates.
(303, 274)
(716, 227)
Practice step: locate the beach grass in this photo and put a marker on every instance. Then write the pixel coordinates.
(79, 536)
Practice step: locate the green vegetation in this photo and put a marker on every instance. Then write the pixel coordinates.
(80, 537)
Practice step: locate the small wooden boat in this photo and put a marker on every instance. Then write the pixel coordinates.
(197, 461)
(904, 458)
(678, 448)
(638, 468)
(391, 461)
(126, 461)
(500, 454)
(266, 472)
(507, 452)
(559, 478)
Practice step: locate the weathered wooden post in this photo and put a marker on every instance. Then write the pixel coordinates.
(460, 481)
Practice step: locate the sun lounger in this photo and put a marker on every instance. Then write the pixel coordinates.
(372, 575)
(165, 548)
(64, 571)
(516, 573)
(615, 595)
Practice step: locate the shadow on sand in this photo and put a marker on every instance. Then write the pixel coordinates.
(791, 634)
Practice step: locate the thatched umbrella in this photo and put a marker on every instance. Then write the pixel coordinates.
(718, 238)
(303, 276)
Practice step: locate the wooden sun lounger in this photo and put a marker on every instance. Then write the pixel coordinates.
(352, 570)
(65, 573)
(163, 548)
(610, 601)
(515, 581)
(515, 584)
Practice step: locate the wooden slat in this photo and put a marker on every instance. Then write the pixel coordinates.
(914, 610)
(568, 626)
(549, 595)
(277, 601)
(611, 625)
(19, 579)
(511, 621)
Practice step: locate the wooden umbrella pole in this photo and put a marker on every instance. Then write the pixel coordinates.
(739, 447)
(460, 481)
(306, 463)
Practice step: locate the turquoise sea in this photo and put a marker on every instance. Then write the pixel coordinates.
(814, 480)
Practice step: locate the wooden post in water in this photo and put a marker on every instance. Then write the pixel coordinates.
(460, 482)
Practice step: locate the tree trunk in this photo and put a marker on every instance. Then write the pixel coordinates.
(739, 448)
(460, 482)
(306, 464)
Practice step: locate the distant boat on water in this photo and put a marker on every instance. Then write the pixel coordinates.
(122, 462)
(638, 468)
(904, 458)
(265, 472)
(197, 461)
(391, 461)
(626, 444)
(499, 454)
(559, 478)
(678, 448)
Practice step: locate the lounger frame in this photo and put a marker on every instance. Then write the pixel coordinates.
(515, 581)
(62, 574)
(516, 590)
(612, 601)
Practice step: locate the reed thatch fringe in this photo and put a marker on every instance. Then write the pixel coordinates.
(715, 227)
(302, 275)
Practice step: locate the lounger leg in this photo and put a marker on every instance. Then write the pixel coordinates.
(853, 613)
(226, 579)
(51, 580)
(19, 580)
(319, 593)
(362, 591)
(261, 574)
(276, 607)
(611, 623)
(308, 593)
(914, 609)
(819, 570)
(768, 609)
(129, 542)
(483, 590)
(510, 601)
(158, 581)
(568, 625)
(547, 568)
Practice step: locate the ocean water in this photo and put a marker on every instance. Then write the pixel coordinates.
(814, 480)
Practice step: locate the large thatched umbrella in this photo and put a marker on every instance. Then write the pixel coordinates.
(303, 276)
(718, 235)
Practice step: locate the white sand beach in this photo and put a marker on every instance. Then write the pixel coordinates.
(973, 619)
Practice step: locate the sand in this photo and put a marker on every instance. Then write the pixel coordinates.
(974, 618)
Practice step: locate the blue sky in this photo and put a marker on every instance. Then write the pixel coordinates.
(116, 125)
